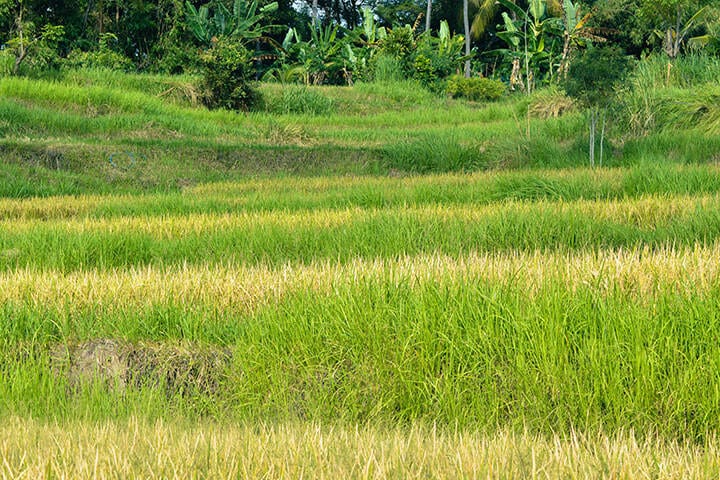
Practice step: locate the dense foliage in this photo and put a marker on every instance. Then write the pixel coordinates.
(228, 76)
(525, 44)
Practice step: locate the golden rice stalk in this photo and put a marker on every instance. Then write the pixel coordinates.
(134, 449)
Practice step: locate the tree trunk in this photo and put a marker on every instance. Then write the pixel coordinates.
(101, 17)
(427, 15)
(593, 125)
(602, 135)
(22, 51)
(676, 46)
(466, 24)
(565, 60)
(315, 12)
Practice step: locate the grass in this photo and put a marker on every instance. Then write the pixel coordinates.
(539, 341)
(279, 237)
(59, 135)
(441, 289)
(290, 194)
(136, 449)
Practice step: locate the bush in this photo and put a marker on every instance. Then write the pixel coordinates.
(595, 73)
(228, 76)
(103, 57)
(475, 89)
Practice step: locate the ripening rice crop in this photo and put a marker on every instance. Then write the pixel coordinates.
(31, 448)
(427, 302)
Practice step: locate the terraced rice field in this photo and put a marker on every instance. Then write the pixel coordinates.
(536, 323)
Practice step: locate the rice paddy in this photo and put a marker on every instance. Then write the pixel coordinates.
(370, 322)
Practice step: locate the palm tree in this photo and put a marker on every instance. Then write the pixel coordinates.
(485, 10)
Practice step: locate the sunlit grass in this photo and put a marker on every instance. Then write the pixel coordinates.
(135, 449)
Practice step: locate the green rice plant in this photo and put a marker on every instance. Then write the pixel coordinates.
(592, 342)
(301, 237)
(432, 154)
(300, 100)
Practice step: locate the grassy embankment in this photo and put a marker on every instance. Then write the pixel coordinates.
(112, 132)
(552, 322)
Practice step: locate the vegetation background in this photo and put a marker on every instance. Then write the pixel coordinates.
(333, 239)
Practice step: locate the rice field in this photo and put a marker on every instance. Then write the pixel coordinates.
(529, 324)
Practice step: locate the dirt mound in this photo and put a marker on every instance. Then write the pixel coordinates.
(119, 365)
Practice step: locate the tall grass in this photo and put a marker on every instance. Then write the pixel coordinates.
(338, 192)
(674, 94)
(371, 128)
(298, 100)
(549, 343)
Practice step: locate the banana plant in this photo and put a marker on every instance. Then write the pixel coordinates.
(373, 34)
(323, 57)
(242, 23)
(576, 33)
(531, 39)
(674, 37)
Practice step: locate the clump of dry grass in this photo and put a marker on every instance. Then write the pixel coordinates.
(550, 103)
(119, 365)
(133, 449)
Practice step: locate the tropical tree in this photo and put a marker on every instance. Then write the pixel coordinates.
(485, 11)
(215, 20)
(671, 21)
(592, 79)
(531, 40)
(27, 41)
(575, 33)
(428, 14)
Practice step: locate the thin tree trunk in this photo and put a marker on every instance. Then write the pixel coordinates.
(602, 135)
(101, 17)
(676, 47)
(87, 13)
(22, 51)
(427, 15)
(315, 12)
(593, 124)
(528, 76)
(466, 24)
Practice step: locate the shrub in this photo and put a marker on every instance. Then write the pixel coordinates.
(103, 57)
(550, 103)
(475, 89)
(399, 43)
(228, 76)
